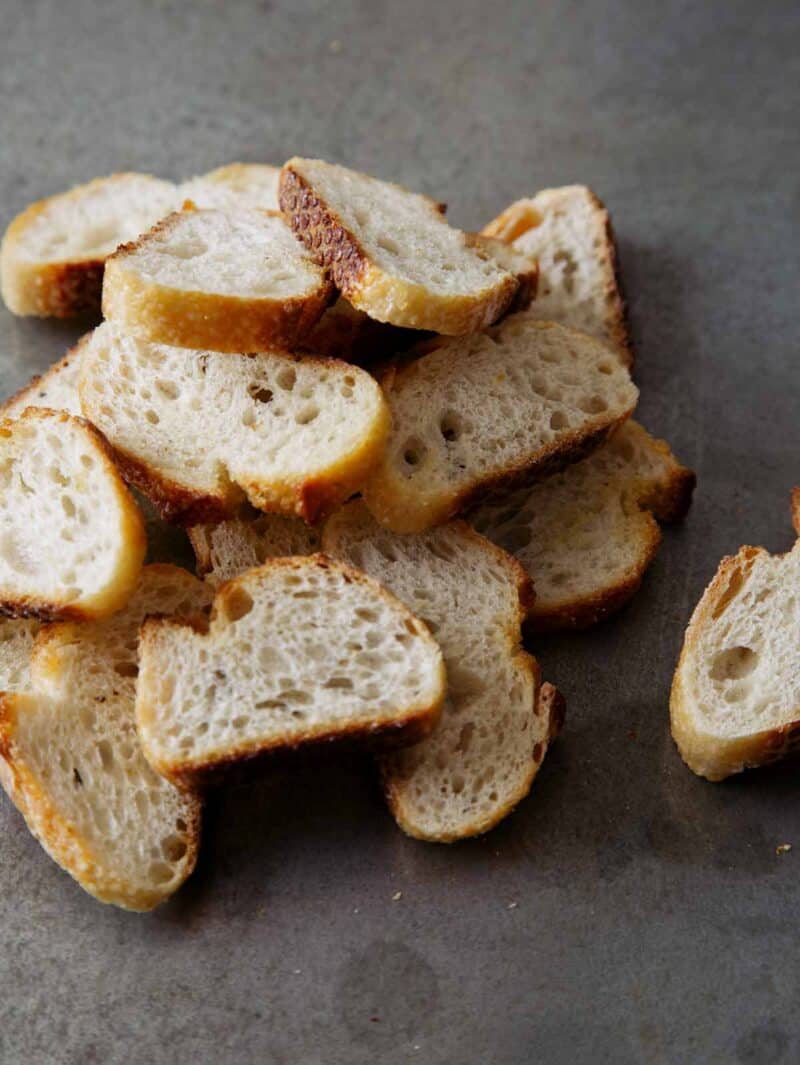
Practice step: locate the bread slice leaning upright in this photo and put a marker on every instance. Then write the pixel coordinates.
(299, 650)
(52, 255)
(72, 538)
(390, 251)
(483, 755)
(71, 761)
(735, 699)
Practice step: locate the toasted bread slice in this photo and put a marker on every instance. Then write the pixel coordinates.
(233, 281)
(586, 535)
(390, 251)
(16, 644)
(197, 432)
(55, 389)
(569, 231)
(72, 763)
(52, 255)
(735, 699)
(480, 760)
(224, 551)
(490, 412)
(299, 650)
(72, 538)
(234, 185)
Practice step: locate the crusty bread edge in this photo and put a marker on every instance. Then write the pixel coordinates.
(36, 382)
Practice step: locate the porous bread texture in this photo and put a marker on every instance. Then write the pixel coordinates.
(16, 643)
(390, 251)
(486, 413)
(299, 650)
(586, 535)
(224, 551)
(55, 389)
(233, 280)
(521, 264)
(72, 763)
(569, 231)
(52, 255)
(197, 432)
(72, 540)
(234, 185)
(735, 699)
(481, 758)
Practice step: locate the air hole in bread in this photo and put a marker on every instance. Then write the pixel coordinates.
(152, 417)
(173, 847)
(733, 664)
(160, 872)
(594, 405)
(414, 453)
(559, 420)
(605, 367)
(236, 604)
(366, 614)
(56, 476)
(286, 379)
(734, 586)
(168, 389)
(345, 683)
(307, 414)
(450, 427)
(259, 393)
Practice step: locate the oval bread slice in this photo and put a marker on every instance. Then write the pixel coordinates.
(299, 650)
(225, 550)
(234, 185)
(72, 540)
(234, 280)
(486, 413)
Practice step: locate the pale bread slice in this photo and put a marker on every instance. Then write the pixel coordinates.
(483, 414)
(523, 265)
(482, 757)
(199, 432)
(234, 185)
(16, 644)
(586, 535)
(299, 650)
(569, 230)
(735, 699)
(72, 763)
(225, 550)
(55, 389)
(52, 255)
(390, 251)
(234, 281)
(72, 540)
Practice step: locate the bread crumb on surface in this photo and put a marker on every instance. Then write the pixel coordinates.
(397, 896)
(783, 848)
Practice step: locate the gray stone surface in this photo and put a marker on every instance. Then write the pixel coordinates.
(653, 920)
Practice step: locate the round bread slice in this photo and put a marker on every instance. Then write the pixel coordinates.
(72, 540)
(52, 256)
(235, 280)
(299, 650)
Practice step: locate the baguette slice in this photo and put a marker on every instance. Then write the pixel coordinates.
(480, 760)
(232, 281)
(72, 764)
(198, 432)
(298, 650)
(55, 389)
(16, 644)
(735, 699)
(569, 230)
(71, 538)
(234, 185)
(524, 267)
(224, 551)
(52, 255)
(587, 535)
(491, 412)
(390, 251)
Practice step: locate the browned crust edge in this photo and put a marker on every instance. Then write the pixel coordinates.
(796, 509)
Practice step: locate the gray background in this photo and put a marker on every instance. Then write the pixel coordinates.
(653, 920)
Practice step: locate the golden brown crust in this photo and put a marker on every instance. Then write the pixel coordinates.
(796, 510)
(554, 706)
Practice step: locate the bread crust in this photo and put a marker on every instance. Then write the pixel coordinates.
(17, 399)
(796, 510)
(369, 288)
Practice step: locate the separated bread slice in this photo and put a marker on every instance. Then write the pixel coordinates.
(234, 280)
(481, 758)
(569, 231)
(52, 255)
(489, 412)
(298, 650)
(234, 185)
(735, 699)
(586, 535)
(71, 538)
(55, 389)
(72, 763)
(197, 432)
(224, 551)
(390, 251)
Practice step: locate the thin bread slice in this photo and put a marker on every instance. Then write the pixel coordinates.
(735, 699)
(299, 650)
(480, 760)
(16, 644)
(586, 535)
(233, 281)
(72, 763)
(55, 389)
(224, 551)
(199, 432)
(71, 538)
(52, 255)
(569, 231)
(234, 185)
(489, 412)
(390, 251)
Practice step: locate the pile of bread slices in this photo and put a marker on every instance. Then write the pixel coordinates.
(393, 444)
